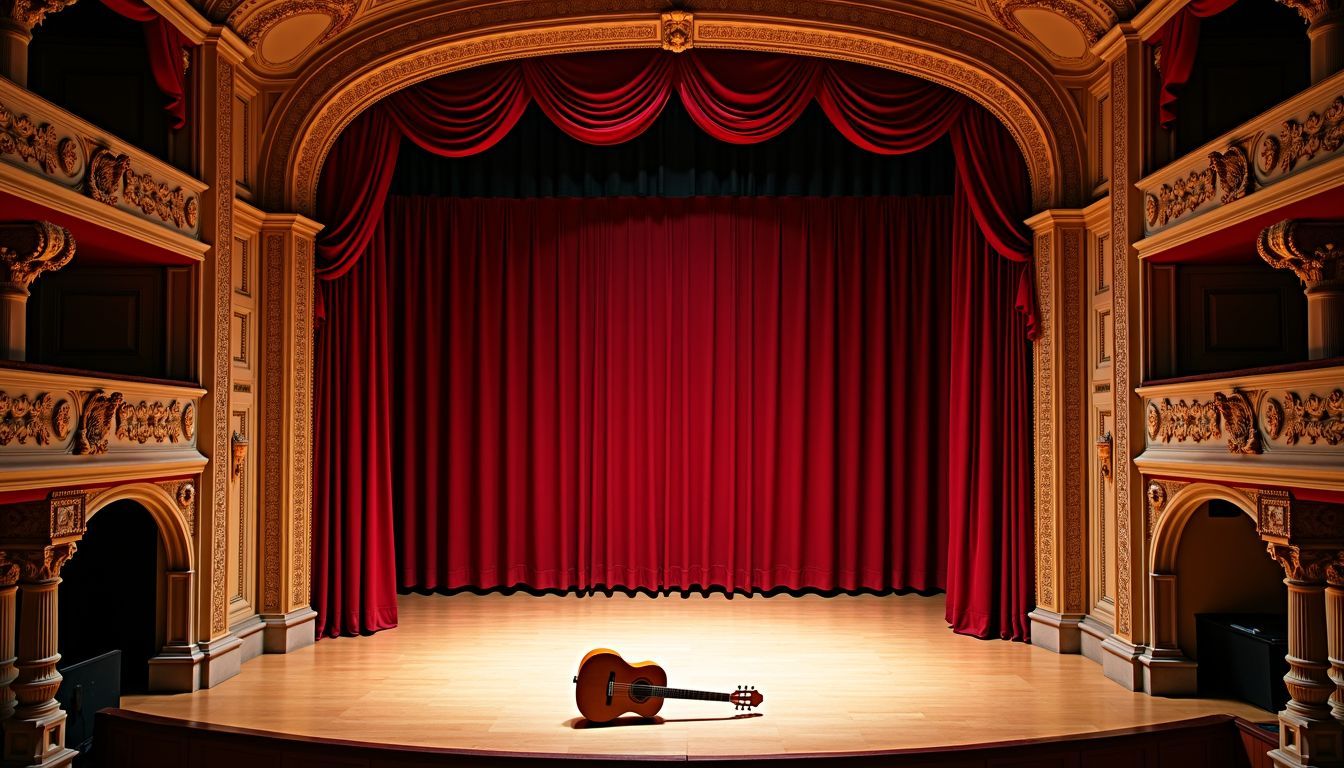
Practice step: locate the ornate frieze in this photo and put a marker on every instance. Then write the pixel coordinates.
(111, 180)
(1300, 141)
(37, 143)
(1314, 419)
(155, 421)
(1180, 197)
(1182, 421)
(39, 419)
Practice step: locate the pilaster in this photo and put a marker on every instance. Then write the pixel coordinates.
(1061, 459)
(215, 70)
(286, 433)
(1125, 55)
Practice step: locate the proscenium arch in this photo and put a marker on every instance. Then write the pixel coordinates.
(371, 63)
(1178, 511)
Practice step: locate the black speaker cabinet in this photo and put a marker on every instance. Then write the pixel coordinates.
(86, 687)
(1241, 656)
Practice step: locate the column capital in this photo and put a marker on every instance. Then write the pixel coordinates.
(1314, 11)
(29, 248)
(1334, 570)
(1311, 248)
(30, 13)
(9, 572)
(1300, 564)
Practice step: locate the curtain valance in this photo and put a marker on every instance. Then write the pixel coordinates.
(612, 97)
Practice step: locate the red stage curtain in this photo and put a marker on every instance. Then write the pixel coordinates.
(666, 393)
(166, 45)
(1178, 40)
(609, 98)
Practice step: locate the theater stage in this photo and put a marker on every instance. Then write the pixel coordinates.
(840, 674)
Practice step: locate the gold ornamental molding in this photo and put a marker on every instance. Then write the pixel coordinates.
(1195, 421)
(252, 25)
(37, 143)
(39, 419)
(1312, 250)
(30, 248)
(389, 55)
(677, 34)
(1091, 17)
(110, 173)
(1314, 419)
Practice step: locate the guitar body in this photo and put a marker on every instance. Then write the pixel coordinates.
(607, 686)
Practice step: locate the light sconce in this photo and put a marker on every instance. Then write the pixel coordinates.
(239, 453)
(1104, 454)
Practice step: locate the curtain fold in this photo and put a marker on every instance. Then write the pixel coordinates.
(166, 45)
(1178, 43)
(612, 97)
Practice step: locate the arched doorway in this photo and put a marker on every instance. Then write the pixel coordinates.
(1207, 559)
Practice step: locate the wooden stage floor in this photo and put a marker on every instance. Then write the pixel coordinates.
(849, 673)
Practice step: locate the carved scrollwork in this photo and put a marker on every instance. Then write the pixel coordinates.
(1193, 421)
(676, 31)
(100, 413)
(150, 421)
(1239, 419)
(1313, 419)
(38, 565)
(22, 137)
(1233, 172)
(30, 248)
(1318, 133)
(1311, 249)
(30, 13)
(111, 177)
(23, 419)
(1180, 197)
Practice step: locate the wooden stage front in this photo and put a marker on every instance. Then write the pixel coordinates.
(839, 674)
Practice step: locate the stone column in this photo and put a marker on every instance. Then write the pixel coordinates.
(1325, 29)
(1308, 734)
(1334, 627)
(27, 249)
(1314, 251)
(9, 578)
(35, 734)
(286, 435)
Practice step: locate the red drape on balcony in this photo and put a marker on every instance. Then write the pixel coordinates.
(843, 485)
(166, 45)
(1178, 41)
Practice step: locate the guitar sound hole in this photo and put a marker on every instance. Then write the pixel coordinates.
(640, 690)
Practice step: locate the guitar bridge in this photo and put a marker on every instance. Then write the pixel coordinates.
(611, 687)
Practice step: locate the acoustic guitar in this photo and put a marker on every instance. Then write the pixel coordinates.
(608, 686)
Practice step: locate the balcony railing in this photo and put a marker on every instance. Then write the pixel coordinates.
(1280, 427)
(60, 428)
(71, 155)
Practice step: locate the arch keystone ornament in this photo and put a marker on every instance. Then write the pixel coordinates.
(678, 31)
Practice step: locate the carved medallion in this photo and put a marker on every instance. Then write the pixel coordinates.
(677, 31)
(1272, 512)
(1314, 419)
(105, 172)
(189, 421)
(1233, 172)
(1239, 419)
(1269, 153)
(100, 412)
(1194, 421)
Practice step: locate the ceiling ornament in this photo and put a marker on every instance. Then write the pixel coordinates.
(1091, 17)
(252, 26)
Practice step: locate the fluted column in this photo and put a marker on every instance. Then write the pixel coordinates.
(9, 578)
(35, 734)
(27, 249)
(1308, 733)
(1334, 625)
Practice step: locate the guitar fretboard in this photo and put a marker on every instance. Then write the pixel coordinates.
(686, 693)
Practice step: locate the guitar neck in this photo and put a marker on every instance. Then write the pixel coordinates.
(686, 693)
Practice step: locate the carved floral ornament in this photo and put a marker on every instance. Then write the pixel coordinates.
(1314, 419)
(1229, 170)
(108, 171)
(1299, 142)
(37, 418)
(1239, 420)
(24, 138)
(1194, 421)
(110, 414)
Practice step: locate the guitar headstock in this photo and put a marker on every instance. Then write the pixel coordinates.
(746, 697)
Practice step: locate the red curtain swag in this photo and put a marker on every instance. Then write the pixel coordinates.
(664, 393)
(166, 45)
(609, 98)
(1178, 43)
